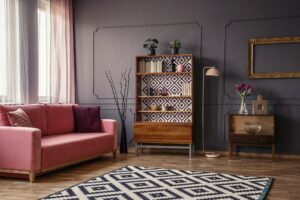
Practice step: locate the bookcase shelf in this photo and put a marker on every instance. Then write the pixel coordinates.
(168, 111)
(156, 74)
(169, 96)
(161, 123)
(162, 73)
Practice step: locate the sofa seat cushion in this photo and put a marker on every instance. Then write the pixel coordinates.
(60, 119)
(35, 112)
(58, 150)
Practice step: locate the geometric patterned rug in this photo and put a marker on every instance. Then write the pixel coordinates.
(132, 183)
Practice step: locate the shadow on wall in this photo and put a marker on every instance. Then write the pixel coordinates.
(213, 123)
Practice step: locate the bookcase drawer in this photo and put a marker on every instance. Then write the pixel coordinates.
(163, 133)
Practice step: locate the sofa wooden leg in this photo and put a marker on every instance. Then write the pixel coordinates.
(32, 177)
(115, 154)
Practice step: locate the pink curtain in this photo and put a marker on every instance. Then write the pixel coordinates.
(62, 78)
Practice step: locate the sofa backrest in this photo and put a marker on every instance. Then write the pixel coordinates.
(35, 112)
(60, 118)
(51, 119)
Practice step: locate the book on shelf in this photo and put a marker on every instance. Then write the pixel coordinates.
(159, 67)
(150, 67)
(187, 89)
(142, 67)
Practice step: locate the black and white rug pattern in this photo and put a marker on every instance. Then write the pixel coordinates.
(133, 183)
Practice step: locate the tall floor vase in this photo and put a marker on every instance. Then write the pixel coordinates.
(123, 141)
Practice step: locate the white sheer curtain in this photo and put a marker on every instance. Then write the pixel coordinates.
(44, 50)
(21, 21)
(57, 80)
(11, 74)
(62, 52)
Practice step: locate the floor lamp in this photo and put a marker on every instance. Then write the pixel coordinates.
(208, 71)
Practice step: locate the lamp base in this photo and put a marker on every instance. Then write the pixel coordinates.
(212, 155)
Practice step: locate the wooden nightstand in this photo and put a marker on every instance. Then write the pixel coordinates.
(237, 135)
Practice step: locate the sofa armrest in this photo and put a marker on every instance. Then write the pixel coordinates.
(20, 148)
(110, 126)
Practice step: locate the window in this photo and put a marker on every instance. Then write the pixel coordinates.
(3, 47)
(10, 71)
(43, 49)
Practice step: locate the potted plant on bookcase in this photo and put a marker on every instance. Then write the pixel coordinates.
(121, 99)
(151, 45)
(175, 46)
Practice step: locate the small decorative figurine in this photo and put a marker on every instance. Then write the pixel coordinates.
(151, 92)
(173, 65)
(164, 91)
(180, 68)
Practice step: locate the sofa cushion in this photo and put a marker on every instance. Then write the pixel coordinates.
(19, 118)
(60, 118)
(71, 147)
(3, 114)
(87, 119)
(35, 112)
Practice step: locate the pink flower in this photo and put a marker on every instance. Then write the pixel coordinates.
(244, 89)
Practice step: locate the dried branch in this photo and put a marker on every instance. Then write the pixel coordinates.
(115, 94)
(124, 91)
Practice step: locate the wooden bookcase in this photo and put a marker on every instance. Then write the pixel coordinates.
(164, 128)
(238, 137)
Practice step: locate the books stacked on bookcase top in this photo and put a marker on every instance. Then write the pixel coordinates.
(187, 89)
(150, 67)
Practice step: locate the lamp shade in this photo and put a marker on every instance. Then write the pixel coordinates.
(213, 71)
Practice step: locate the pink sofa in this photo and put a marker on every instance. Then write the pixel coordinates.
(52, 144)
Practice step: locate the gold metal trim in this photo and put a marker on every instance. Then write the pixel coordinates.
(267, 41)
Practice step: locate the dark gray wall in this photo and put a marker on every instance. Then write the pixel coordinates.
(109, 34)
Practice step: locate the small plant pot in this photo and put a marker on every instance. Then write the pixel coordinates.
(152, 52)
(174, 51)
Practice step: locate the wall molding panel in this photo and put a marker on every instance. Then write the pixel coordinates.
(109, 35)
(193, 26)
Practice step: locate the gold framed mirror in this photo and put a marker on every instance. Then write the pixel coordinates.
(280, 57)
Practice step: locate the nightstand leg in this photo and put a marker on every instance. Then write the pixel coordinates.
(230, 150)
(190, 150)
(273, 152)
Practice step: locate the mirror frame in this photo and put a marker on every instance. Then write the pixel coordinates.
(268, 41)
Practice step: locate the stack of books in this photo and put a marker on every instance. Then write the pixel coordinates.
(150, 67)
(187, 89)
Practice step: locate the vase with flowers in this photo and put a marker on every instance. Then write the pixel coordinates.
(244, 90)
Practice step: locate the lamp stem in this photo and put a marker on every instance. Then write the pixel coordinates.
(207, 154)
(202, 117)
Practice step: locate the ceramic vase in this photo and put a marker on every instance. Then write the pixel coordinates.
(152, 52)
(174, 51)
(180, 68)
(123, 141)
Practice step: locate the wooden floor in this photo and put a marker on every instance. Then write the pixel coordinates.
(285, 172)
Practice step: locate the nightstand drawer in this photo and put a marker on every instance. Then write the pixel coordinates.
(251, 139)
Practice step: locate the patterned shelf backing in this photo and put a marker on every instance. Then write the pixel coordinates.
(173, 83)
